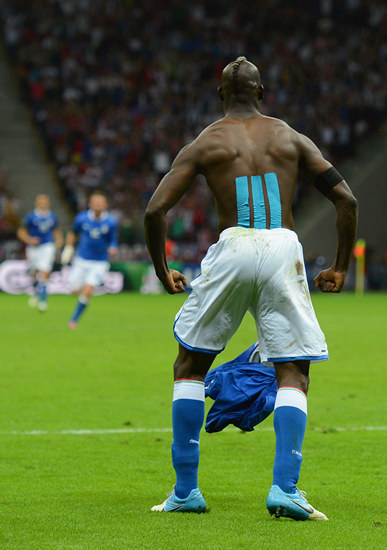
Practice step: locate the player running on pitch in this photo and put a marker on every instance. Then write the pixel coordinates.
(96, 229)
(251, 163)
(40, 232)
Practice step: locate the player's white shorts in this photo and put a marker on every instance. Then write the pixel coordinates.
(256, 270)
(87, 272)
(41, 257)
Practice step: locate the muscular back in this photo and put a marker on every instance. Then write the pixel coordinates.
(251, 166)
(240, 154)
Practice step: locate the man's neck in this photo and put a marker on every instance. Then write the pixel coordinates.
(242, 111)
(41, 213)
(97, 215)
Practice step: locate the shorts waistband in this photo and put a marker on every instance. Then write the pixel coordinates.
(251, 233)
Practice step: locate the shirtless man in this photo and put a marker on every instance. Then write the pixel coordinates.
(250, 162)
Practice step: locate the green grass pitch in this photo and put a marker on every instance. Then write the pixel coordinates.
(85, 434)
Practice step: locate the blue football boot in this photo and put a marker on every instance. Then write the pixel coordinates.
(291, 505)
(194, 502)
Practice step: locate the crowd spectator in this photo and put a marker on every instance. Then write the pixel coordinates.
(118, 87)
(9, 208)
(9, 218)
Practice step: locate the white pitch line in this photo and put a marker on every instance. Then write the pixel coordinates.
(169, 430)
(89, 432)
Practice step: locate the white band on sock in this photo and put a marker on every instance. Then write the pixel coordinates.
(291, 397)
(188, 389)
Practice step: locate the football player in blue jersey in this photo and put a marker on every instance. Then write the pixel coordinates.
(41, 234)
(96, 231)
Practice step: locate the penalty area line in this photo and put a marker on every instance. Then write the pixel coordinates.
(328, 429)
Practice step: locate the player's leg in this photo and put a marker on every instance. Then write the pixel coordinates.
(33, 298)
(81, 305)
(290, 337)
(210, 316)
(77, 278)
(32, 270)
(41, 289)
(44, 262)
(187, 416)
(190, 370)
(92, 276)
(290, 415)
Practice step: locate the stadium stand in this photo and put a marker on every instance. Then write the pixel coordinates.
(117, 88)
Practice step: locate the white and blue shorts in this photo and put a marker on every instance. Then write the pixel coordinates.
(256, 270)
(41, 257)
(87, 272)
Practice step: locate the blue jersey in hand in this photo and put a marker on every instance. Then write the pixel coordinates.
(96, 235)
(41, 225)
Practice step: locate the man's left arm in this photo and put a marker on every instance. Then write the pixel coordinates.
(333, 186)
(171, 188)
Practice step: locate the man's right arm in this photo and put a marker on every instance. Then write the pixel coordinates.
(22, 235)
(168, 193)
(334, 188)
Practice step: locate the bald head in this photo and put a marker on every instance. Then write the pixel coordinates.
(241, 83)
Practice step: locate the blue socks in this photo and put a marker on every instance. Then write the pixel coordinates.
(79, 308)
(187, 420)
(290, 413)
(41, 291)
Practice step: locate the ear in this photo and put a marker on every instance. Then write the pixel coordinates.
(261, 92)
(220, 93)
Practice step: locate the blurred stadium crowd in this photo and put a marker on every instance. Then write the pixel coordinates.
(9, 217)
(118, 87)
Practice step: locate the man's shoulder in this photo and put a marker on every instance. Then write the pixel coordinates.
(214, 136)
(80, 218)
(275, 121)
(216, 127)
(27, 219)
(278, 125)
(112, 219)
(29, 216)
(280, 137)
(206, 138)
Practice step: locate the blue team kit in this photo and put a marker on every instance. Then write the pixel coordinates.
(96, 235)
(41, 225)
